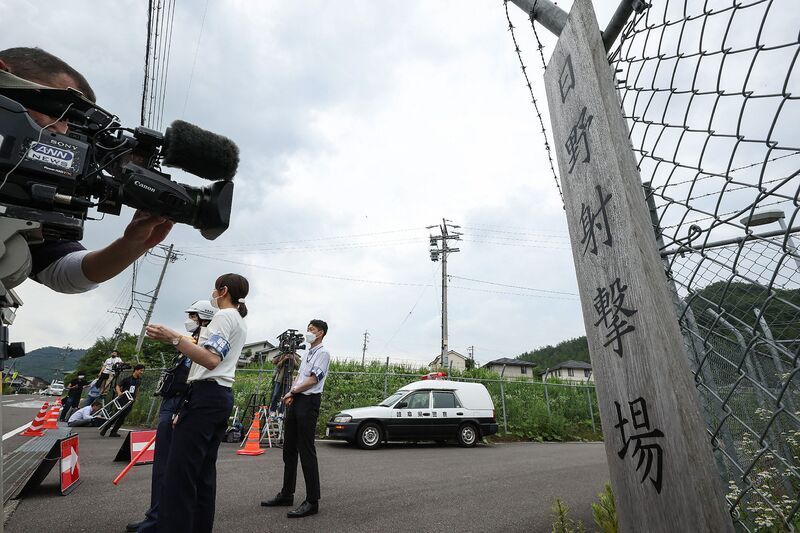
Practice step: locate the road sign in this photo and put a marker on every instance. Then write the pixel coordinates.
(133, 443)
(69, 464)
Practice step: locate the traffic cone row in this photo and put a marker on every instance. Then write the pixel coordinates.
(253, 444)
(37, 426)
(51, 422)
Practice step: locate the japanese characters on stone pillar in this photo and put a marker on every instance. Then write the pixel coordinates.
(659, 453)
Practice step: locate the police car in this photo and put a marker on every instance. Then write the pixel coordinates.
(429, 409)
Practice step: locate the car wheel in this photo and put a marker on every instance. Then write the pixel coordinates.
(467, 435)
(369, 436)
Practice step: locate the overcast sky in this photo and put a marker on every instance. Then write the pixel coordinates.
(359, 123)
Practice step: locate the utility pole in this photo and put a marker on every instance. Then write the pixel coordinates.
(440, 249)
(169, 257)
(364, 347)
(471, 354)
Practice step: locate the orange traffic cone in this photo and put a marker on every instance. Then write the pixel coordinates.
(37, 426)
(51, 422)
(253, 446)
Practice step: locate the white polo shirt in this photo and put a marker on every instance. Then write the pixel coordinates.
(225, 336)
(316, 362)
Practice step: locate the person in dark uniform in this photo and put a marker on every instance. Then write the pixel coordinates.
(172, 389)
(300, 427)
(75, 388)
(130, 384)
(189, 490)
(63, 265)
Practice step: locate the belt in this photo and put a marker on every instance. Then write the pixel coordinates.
(207, 382)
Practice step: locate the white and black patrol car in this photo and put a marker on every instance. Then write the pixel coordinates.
(429, 409)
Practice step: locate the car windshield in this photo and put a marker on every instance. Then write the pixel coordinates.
(388, 402)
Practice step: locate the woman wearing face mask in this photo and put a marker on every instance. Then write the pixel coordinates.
(188, 492)
(172, 388)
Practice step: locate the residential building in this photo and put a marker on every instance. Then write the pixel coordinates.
(455, 360)
(256, 352)
(512, 368)
(577, 371)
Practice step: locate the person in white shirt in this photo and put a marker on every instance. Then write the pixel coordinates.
(106, 371)
(302, 411)
(188, 492)
(85, 415)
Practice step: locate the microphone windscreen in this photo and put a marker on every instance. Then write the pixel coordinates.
(200, 152)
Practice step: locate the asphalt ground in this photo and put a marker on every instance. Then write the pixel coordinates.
(399, 487)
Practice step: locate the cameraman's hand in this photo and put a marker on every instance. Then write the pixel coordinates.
(146, 230)
(143, 232)
(288, 399)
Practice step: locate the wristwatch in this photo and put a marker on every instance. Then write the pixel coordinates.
(176, 341)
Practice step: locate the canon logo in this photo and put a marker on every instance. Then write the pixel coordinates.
(143, 186)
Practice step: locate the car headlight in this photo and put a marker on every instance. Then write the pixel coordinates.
(340, 419)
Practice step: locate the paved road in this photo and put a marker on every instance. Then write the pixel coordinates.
(401, 487)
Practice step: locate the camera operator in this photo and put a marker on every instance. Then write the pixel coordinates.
(300, 429)
(107, 371)
(75, 388)
(62, 265)
(131, 385)
(172, 389)
(189, 490)
(284, 363)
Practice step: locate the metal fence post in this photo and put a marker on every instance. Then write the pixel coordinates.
(591, 409)
(385, 377)
(150, 411)
(503, 401)
(547, 398)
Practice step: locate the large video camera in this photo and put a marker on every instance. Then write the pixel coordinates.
(54, 179)
(290, 341)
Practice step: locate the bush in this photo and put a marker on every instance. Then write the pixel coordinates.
(350, 384)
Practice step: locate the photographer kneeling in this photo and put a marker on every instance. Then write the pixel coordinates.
(63, 265)
(172, 388)
(188, 492)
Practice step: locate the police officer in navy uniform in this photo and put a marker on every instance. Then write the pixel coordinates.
(300, 426)
(189, 489)
(172, 389)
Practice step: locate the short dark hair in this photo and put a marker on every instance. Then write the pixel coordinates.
(34, 64)
(97, 403)
(138, 367)
(320, 324)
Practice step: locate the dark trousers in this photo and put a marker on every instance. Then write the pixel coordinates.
(121, 419)
(169, 406)
(189, 490)
(299, 431)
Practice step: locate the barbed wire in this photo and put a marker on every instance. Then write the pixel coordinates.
(528, 84)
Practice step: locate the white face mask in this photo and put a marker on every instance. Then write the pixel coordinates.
(190, 325)
(213, 301)
(310, 337)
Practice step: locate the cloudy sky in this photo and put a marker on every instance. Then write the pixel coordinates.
(359, 123)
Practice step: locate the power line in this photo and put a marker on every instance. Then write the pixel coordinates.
(194, 62)
(513, 286)
(315, 239)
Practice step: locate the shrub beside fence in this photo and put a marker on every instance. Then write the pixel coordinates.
(527, 410)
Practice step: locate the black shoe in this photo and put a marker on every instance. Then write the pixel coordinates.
(305, 509)
(133, 526)
(280, 500)
(114, 434)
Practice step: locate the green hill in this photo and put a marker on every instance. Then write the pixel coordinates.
(549, 356)
(47, 363)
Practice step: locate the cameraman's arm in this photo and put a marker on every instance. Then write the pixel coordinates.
(144, 232)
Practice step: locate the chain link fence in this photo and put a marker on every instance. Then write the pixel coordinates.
(711, 92)
(529, 410)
